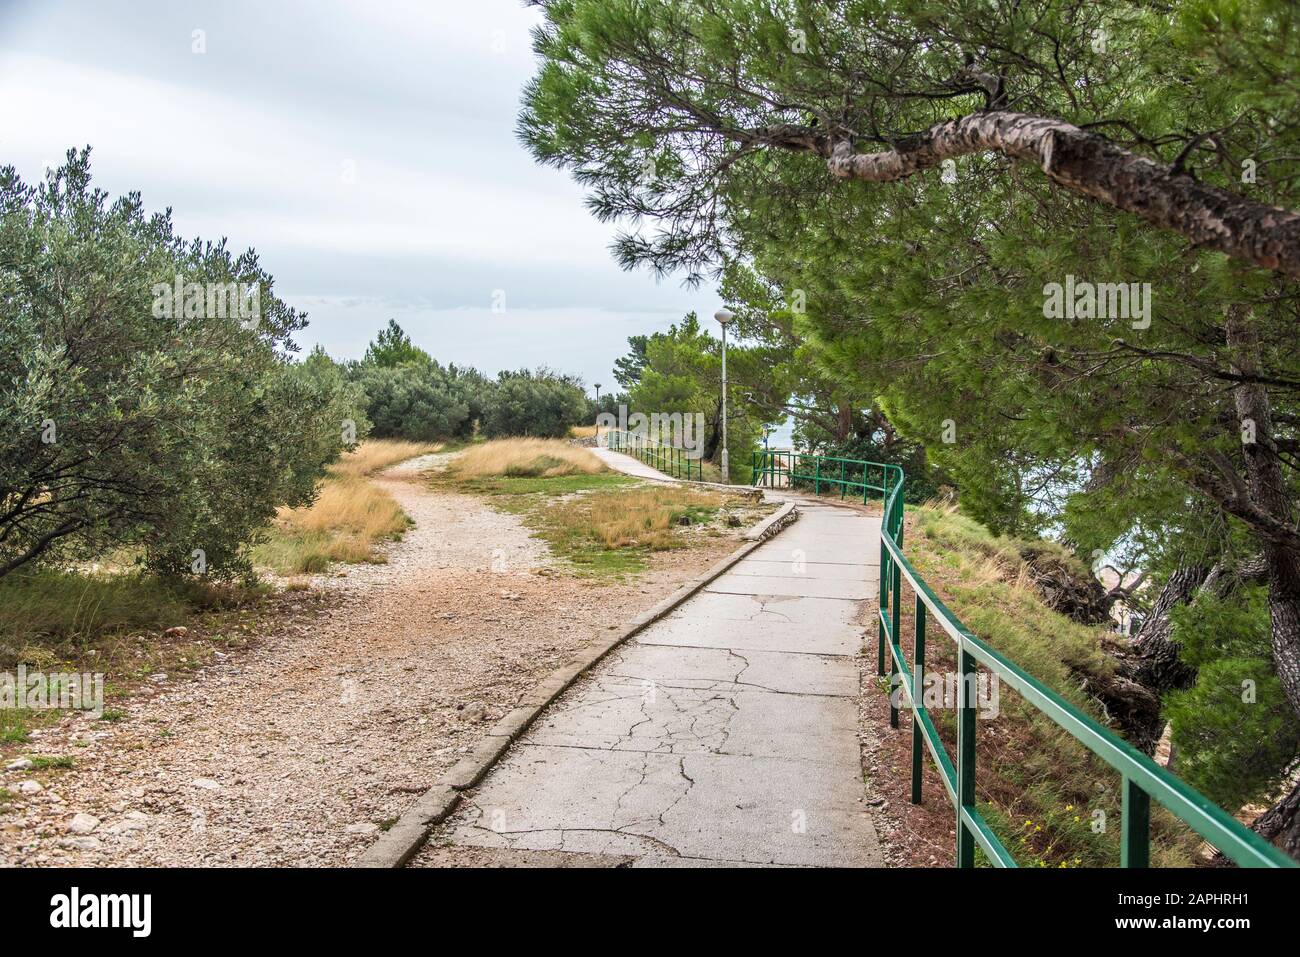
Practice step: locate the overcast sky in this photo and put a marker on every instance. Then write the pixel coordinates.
(365, 149)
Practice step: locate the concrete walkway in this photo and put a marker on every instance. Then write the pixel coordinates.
(620, 462)
(725, 733)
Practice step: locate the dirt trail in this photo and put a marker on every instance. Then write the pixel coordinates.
(299, 749)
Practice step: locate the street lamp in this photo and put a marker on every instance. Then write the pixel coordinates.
(724, 317)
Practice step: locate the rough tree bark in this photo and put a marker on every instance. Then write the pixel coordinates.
(1079, 160)
(1271, 492)
(1153, 663)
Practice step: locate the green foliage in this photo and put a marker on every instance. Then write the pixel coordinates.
(628, 368)
(409, 395)
(539, 404)
(923, 298)
(1233, 732)
(42, 605)
(416, 401)
(132, 423)
(683, 373)
(393, 347)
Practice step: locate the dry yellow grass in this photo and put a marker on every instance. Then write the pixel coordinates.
(627, 518)
(375, 454)
(583, 431)
(349, 517)
(532, 458)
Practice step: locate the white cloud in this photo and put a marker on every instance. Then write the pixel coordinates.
(252, 140)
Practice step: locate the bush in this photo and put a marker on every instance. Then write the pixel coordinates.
(133, 418)
(1234, 733)
(537, 404)
(415, 401)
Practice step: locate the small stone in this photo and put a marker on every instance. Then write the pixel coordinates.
(83, 823)
(180, 631)
(81, 843)
(362, 827)
(126, 825)
(206, 784)
(474, 711)
(22, 764)
(30, 787)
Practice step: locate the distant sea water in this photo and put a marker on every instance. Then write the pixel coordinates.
(783, 436)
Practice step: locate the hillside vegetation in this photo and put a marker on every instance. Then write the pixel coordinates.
(1050, 800)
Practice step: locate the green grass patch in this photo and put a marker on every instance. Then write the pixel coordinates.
(603, 524)
(523, 486)
(51, 606)
(60, 762)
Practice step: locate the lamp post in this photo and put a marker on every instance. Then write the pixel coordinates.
(598, 397)
(724, 317)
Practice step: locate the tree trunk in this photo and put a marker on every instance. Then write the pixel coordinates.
(1271, 493)
(1086, 163)
(1281, 824)
(1154, 663)
(843, 421)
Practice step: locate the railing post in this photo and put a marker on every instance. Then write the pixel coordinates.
(842, 464)
(884, 605)
(895, 611)
(918, 681)
(1135, 845)
(967, 675)
(817, 475)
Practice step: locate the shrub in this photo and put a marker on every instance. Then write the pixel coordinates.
(1234, 734)
(413, 401)
(533, 404)
(130, 422)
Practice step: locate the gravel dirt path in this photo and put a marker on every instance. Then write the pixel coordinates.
(299, 749)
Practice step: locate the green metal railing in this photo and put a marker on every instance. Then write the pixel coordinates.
(1143, 779)
(795, 470)
(670, 459)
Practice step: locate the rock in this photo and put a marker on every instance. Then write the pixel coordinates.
(206, 784)
(30, 787)
(83, 823)
(474, 711)
(135, 821)
(180, 631)
(22, 764)
(362, 827)
(81, 843)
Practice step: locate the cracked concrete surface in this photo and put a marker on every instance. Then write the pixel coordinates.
(723, 734)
